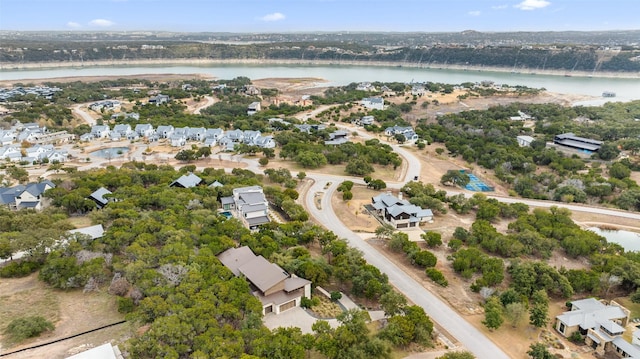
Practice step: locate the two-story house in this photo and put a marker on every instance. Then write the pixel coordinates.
(276, 289)
(399, 212)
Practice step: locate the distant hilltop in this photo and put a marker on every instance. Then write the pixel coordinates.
(586, 52)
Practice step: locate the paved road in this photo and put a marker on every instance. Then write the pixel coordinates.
(210, 101)
(85, 116)
(440, 312)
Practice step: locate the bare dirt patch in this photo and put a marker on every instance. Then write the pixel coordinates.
(71, 312)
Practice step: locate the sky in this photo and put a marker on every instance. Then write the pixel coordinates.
(319, 15)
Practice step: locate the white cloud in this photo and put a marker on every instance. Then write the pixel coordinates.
(101, 22)
(73, 24)
(474, 13)
(276, 16)
(500, 7)
(532, 4)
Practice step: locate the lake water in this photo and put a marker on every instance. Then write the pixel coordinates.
(630, 241)
(111, 152)
(338, 75)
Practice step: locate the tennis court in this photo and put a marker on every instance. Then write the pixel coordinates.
(476, 185)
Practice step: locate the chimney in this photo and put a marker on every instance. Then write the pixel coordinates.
(400, 195)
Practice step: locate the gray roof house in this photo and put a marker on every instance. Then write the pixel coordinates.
(249, 136)
(373, 103)
(98, 197)
(93, 232)
(144, 130)
(164, 131)
(276, 289)
(265, 142)
(159, 99)
(578, 143)
(250, 205)
(120, 131)
(100, 131)
(186, 181)
(399, 212)
(214, 133)
(28, 196)
(337, 138)
(235, 135)
(602, 325)
(196, 133)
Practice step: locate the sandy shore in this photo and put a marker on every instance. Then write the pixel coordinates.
(204, 62)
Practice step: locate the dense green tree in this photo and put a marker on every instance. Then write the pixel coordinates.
(493, 313)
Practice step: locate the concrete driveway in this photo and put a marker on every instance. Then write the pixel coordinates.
(294, 317)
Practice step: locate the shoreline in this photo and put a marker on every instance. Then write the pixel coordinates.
(205, 62)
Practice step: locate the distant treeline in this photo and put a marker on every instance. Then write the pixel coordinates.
(563, 58)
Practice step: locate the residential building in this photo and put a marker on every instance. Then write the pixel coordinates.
(98, 196)
(521, 117)
(399, 212)
(578, 143)
(28, 196)
(164, 131)
(373, 103)
(276, 289)
(525, 141)
(337, 138)
(602, 325)
(264, 142)
(144, 130)
(159, 99)
(250, 205)
(418, 90)
(186, 181)
(249, 136)
(367, 120)
(104, 351)
(100, 131)
(120, 131)
(365, 86)
(409, 134)
(253, 108)
(92, 232)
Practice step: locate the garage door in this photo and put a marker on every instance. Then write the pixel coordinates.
(403, 225)
(287, 305)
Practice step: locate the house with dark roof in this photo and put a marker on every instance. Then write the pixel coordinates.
(249, 204)
(601, 324)
(186, 181)
(28, 196)
(578, 143)
(399, 212)
(337, 138)
(276, 289)
(98, 196)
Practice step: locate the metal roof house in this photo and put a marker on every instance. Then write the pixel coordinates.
(250, 205)
(602, 325)
(276, 289)
(186, 181)
(98, 197)
(579, 143)
(373, 103)
(399, 212)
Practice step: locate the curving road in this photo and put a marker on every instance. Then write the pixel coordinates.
(439, 311)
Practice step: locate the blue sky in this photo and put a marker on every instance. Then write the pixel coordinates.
(319, 15)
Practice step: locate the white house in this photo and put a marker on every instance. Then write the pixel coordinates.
(525, 141)
(164, 131)
(400, 213)
(253, 108)
(144, 130)
(373, 103)
(100, 131)
(264, 142)
(250, 205)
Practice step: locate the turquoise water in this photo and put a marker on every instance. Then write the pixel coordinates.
(338, 75)
(112, 152)
(630, 241)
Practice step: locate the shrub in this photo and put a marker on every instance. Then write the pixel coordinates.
(309, 303)
(263, 161)
(19, 269)
(335, 296)
(347, 195)
(436, 276)
(125, 305)
(27, 327)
